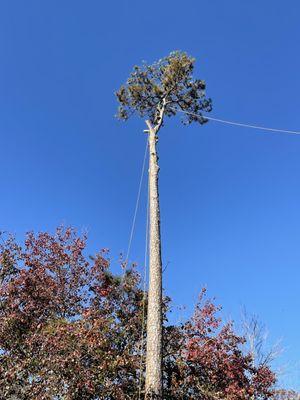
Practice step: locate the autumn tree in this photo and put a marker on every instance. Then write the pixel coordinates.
(256, 335)
(70, 329)
(154, 92)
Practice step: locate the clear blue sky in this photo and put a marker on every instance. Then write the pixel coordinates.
(230, 196)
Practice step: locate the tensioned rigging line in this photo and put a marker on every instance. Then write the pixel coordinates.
(136, 207)
(244, 125)
(145, 261)
(222, 121)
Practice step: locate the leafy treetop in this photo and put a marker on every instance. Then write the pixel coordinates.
(164, 88)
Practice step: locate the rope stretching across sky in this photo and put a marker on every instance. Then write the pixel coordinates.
(262, 128)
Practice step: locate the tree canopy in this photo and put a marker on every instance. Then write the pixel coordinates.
(167, 85)
(70, 329)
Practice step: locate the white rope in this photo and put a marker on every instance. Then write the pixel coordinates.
(136, 208)
(144, 294)
(224, 121)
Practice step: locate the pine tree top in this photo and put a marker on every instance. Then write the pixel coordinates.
(167, 84)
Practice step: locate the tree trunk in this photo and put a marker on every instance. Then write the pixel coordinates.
(154, 316)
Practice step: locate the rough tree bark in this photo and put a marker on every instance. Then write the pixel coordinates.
(164, 88)
(153, 388)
